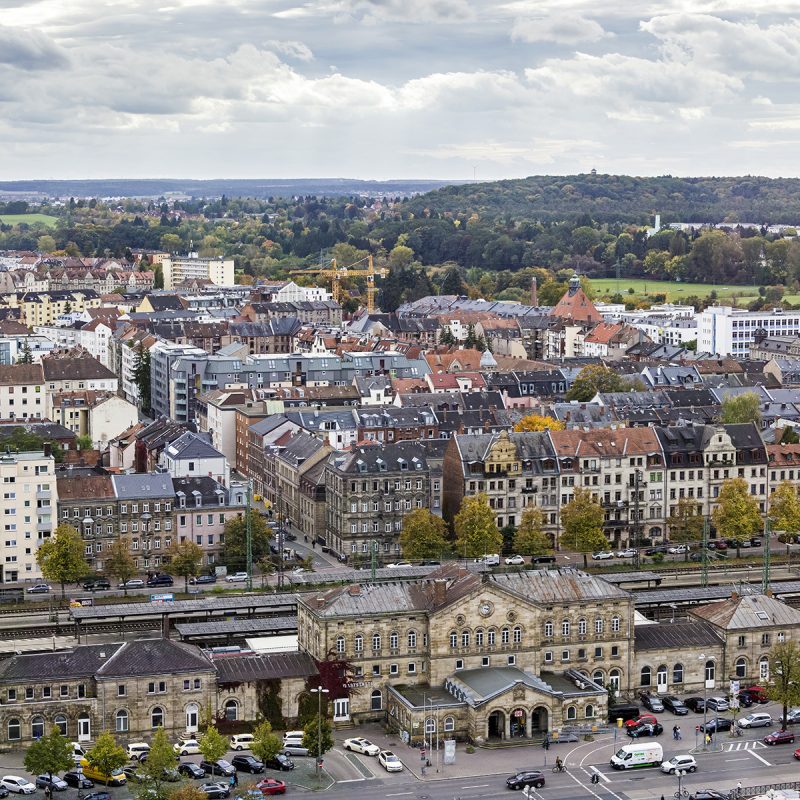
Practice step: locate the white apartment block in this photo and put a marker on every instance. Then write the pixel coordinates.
(191, 267)
(727, 331)
(29, 501)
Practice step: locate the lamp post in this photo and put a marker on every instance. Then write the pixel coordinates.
(706, 681)
(319, 691)
(679, 773)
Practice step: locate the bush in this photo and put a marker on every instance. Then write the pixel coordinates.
(469, 749)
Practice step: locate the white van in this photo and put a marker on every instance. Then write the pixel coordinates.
(137, 749)
(630, 756)
(293, 737)
(490, 559)
(241, 741)
(78, 752)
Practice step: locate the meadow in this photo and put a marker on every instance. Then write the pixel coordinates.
(675, 291)
(29, 219)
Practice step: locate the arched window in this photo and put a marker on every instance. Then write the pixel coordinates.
(60, 721)
(449, 724)
(677, 673)
(517, 633)
(453, 639)
(548, 629)
(412, 640)
(121, 719)
(394, 640)
(37, 728)
(581, 627)
(430, 725)
(614, 679)
(589, 711)
(741, 667)
(340, 644)
(661, 676)
(14, 729)
(465, 638)
(231, 710)
(598, 677)
(572, 712)
(491, 636)
(565, 628)
(763, 668)
(505, 635)
(711, 669)
(598, 625)
(157, 717)
(376, 700)
(359, 643)
(646, 676)
(479, 637)
(376, 641)
(615, 624)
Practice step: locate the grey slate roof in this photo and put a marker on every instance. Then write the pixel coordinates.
(675, 635)
(154, 657)
(747, 612)
(244, 668)
(190, 445)
(83, 661)
(138, 486)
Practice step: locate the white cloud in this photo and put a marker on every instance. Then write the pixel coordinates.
(560, 29)
(29, 50)
(296, 50)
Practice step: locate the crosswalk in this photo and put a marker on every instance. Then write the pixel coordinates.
(730, 747)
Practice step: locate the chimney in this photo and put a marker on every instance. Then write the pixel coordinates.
(320, 602)
(439, 591)
(734, 595)
(48, 450)
(534, 292)
(354, 590)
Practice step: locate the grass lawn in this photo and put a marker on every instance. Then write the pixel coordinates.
(675, 292)
(30, 219)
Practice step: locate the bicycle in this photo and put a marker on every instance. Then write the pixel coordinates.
(560, 768)
(681, 793)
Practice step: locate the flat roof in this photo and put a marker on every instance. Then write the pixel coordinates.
(699, 594)
(630, 577)
(237, 626)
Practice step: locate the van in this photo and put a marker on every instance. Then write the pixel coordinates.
(626, 712)
(116, 778)
(137, 749)
(293, 737)
(490, 559)
(631, 756)
(77, 752)
(241, 741)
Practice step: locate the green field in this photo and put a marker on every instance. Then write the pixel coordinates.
(29, 219)
(675, 292)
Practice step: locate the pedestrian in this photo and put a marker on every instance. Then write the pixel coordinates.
(546, 742)
(739, 789)
(678, 732)
(674, 731)
(235, 779)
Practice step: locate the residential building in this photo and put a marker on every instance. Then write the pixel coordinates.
(74, 370)
(178, 269)
(190, 456)
(727, 331)
(102, 416)
(22, 392)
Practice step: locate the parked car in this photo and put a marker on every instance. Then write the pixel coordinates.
(641, 720)
(186, 747)
(792, 717)
(77, 780)
(602, 556)
(628, 552)
(755, 541)
(695, 703)
(709, 794)
(99, 795)
(758, 719)
(213, 791)
(271, 786)
(675, 705)
(683, 763)
(678, 549)
(248, 764)
(200, 579)
(236, 577)
(361, 745)
(133, 583)
(38, 588)
(221, 767)
(716, 724)
(753, 694)
(797, 754)
(515, 561)
(779, 737)
(399, 564)
(136, 750)
(97, 585)
(18, 785)
(55, 783)
(133, 775)
(241, 741)
(651, 551)
(651, 702)
(3, 791)
(293, 749)
(389, 761)
(280, 762)
(717, 704)
(646, 729)
(721, 544)
(160, 580)
(191, 770)
(528, 777)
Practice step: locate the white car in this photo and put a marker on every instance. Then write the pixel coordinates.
(627, 553)
(398, 565)
(133, 583)
(237, 577)
(678, 549)
(186, 747)
(684, 763)
(361, 745)
(515, 560)
(16, 784)
(602, 556)
(757, 719)
(389, 761)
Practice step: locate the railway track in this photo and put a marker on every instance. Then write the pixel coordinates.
(65, 628)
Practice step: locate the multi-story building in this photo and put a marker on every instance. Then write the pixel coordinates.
(178, 269)
(45, 308)
(22, 392)
(166, 399)
(190, 456)
(75, 370)
(102, 416)
(727, 331)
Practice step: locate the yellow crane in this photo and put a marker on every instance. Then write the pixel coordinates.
(336, 273)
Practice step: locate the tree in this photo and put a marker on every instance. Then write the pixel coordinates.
(184, 561)
(736, 516)
(45, 244)
(530, 538)
(737, 409)
(592, 379)
(234, 554)
(476, 529)
(537, 422)
(119, 563)
(685, 523)
(213, 745)
(106, 755)
(784, 684)
(160, 760)
(400, 256)
(61, 558)
(141, 376)
(453, 283)
(424, 535)
(266, 744)
(318, 747)
(171, 243)
(784, 508)
(582, 523)
(26, 356)
(158, 277)
(84, 442)
(188, 792)
(49, 755)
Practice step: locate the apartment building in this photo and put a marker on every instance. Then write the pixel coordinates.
(180, 269)
(727, 331)
(22, 392)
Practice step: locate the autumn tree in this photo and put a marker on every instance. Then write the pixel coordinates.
(61, 557)
(737, 515)
(266, 744)
(107, 756)
(119, 563)
(49, 755)
(784, 683)
(234, 553)
(582, 524)
(595, 378)
(424, 535)
(741, 408)
(784, 509)
(530, 538)
(476, 529)
(685, 523)
(184, 561)
(537, 422)
(213, 745)
(155, 770)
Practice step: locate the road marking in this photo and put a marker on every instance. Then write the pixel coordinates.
(597, 772)
(396, 794)
(476, 786)
(729, 759)
(756, 755)
(352, 780)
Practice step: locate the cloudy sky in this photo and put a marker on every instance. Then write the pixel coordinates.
(397, 88)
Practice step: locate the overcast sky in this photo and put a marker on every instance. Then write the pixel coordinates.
(397, 88)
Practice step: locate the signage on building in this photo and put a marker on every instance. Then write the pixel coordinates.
(519, 713)
(81, 601)
(357, 684)
(162, 598)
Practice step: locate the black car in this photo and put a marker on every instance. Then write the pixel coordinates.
(755, 542)
(646, 729)
(280, 762)
(4, 792)
(651, 551)
(695, 703)
(221, 767)
(745, 699)
(528, 777)
(97, 796)
(675, 705)
(248, 764)
(77, 780)
(97, 585)
(203, 579)
(191, 770)
(651, 702)
(213, 791)
(716, 724)
(133, 775)
(160, 580)
(290, 537)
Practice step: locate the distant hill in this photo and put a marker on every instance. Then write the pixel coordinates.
(622, 198)
(258, 188)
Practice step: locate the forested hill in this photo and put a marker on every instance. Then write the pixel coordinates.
(621, 198)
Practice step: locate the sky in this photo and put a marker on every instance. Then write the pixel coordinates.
(380, 89)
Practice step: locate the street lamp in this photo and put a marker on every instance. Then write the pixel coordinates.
(319, 691)
(679, 773)
(706, 681)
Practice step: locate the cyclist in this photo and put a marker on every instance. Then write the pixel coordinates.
(559, 765)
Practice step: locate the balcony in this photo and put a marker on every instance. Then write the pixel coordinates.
(44, 495)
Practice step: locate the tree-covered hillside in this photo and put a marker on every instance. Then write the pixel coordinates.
(621, 198)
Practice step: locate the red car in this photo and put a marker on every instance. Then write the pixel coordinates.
(648, 718)
(797, 754)
(779, 737)
(271, 786)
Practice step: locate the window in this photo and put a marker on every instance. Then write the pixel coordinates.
(187, 684)
(711, 669)
(37, 728)
(548, 656)
(376, 700)
(82, 690)
(394, 640)
(492, 634)
(412, 668)
(741, 667)
(430, 725)
(14, 729)
(479, 637)
(64, 692)
(376, 669)
(393, 669)
(449, 724)
(565, 655)
(589, 712)
(572, 712)
(453, 640)
(459, 663)
(465, 638)
(548, 630)
(46, 693)
(565, 628)
(646, 676)
(505, 635)
(359, 643)
(121, 691)
(512, 660)
(598, 626)
(614, 679)
(677, 673)
(340, 644)
(157, 717)
(615, 624)
(231, 710)
(765, 640)
(517, 633)
(376, 641)
(121, 721)
(581, 627)
(598, 678)
(486, 661)
(60, 721)
(29, 692)
(763, 668)
(412, 640)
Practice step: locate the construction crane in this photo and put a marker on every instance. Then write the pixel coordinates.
(336, 273)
